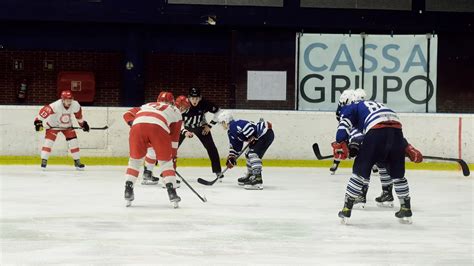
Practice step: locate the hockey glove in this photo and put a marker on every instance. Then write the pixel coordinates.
(85, 126)
(231, 161)
(353, 149)
(340, 150)
(38, 125)
(414, 154)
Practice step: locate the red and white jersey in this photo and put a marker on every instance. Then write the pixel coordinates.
(165, 115)
(56, 115)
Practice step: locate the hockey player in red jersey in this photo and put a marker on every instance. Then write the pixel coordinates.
(183, 104)
(158, 124)
(58, 119)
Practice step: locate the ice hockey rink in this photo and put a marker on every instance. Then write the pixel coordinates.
(64, 216)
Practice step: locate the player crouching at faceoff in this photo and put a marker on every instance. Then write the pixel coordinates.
(260, 136)
(183, 105)
(383, 143)
(158, 124)
(356, 138)
(57, 116)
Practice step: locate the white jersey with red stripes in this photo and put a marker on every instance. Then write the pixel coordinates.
(161, 114)
(56, 115)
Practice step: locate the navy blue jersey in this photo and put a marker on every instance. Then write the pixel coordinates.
(362, 116)
(241, 131)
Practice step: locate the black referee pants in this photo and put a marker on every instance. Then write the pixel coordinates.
(209, 144)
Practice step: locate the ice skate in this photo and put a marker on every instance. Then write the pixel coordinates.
(174, 198)
(362, 199)
(79, 166)
(178, 183)
(404, 214)
(129, 195)
(345, 214)
(385, 200)
(148, 178)
(244, 179)
(334, 167)
(44, 163)
(255, 182)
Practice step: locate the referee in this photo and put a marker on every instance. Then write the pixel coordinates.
(195, 124)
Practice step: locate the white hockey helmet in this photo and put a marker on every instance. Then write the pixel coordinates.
(347, 97)
(360, 95)
(225, 116)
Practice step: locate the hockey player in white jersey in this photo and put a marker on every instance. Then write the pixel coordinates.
(57, 118)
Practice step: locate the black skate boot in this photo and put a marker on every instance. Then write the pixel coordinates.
(44, 163)
(404, 214)
(148, 178)
(345, 214)
(386, 198)
(334, 167)
(129, 195)
(174, 198)
(255, 182)
(78, 164)
(244, 179)
(362, 199)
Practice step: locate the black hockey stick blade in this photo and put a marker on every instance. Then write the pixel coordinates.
(202, 198)
(317, 152)
(212, 182)
(461, 162)
(206, 182)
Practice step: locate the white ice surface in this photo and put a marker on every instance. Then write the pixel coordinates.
(65, 216)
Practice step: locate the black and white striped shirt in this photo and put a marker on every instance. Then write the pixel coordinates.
(196, 115)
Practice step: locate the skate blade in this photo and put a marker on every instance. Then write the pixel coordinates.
(405, 220)
(175, 203)
(128, 203)
(345, 220)
(333, 172)
(80, 169)
(149, 183)
(386, 204)
(255, 187)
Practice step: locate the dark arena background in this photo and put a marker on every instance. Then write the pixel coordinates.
(283, 64)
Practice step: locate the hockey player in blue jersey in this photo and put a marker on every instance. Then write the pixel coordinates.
(356, 138)
(260, 136)
(383, 143)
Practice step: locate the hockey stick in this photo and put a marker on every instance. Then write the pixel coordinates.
(462, 163)
(91, 128)
(317, 152)
(210, 183)
(203, 198)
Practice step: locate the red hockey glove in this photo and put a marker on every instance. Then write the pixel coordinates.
(231, 161)
(414, 154)
(340, 150)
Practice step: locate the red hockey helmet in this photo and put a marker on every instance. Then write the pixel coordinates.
(67, 94)
(165, 97)
(182, 103)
